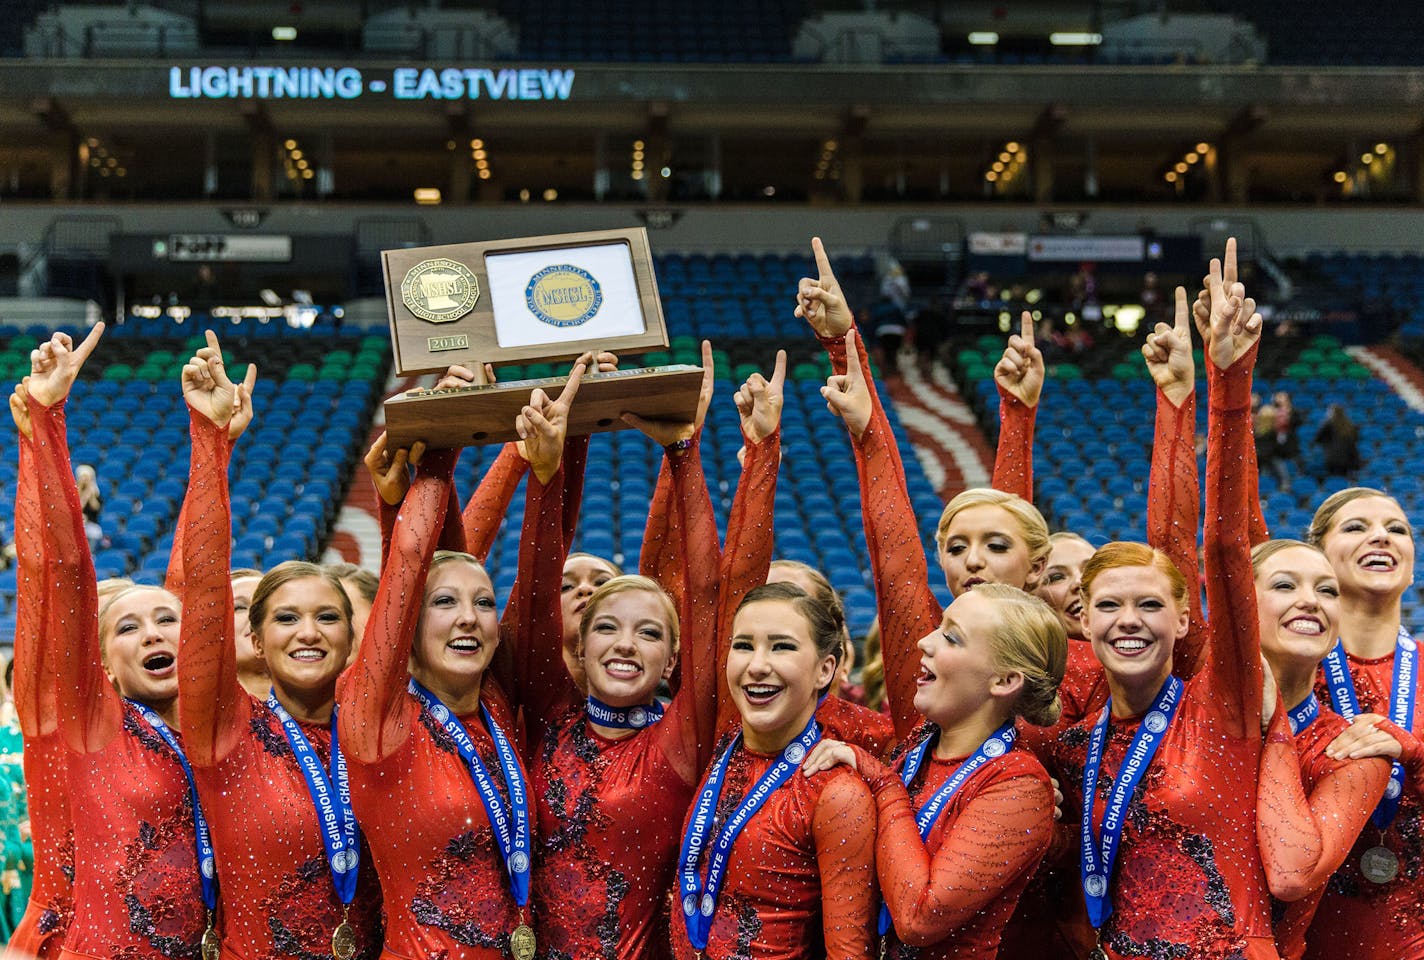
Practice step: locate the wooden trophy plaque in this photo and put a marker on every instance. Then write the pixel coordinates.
(547, 299)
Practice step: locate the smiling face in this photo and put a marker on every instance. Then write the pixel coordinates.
(774, 671)
(958, 674)
(305, 637)
(983, 545)
(249, 661)
(1298, 606)
(1061, 580)
(627, 648)
(1371, 547)
(1134, 622)
(458, 630)
(140, 633)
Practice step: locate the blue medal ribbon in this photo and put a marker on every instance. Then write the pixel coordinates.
(1401, 708)
(1000, 742)
(1303, 714)
(331, 794)
(623, 718)
(1099, 856)
(511, 825)
(699, 900)
(207, 862)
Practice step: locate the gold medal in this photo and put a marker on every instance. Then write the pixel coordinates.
(1379, 864)
(212, 947)
(1098, 953)
(343, 942)
(521, 942)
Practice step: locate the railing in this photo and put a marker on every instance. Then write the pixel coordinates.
(114, 38)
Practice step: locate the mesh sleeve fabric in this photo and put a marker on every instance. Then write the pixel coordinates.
(89, 708)
(1174, 515)
(34, 658)
(844, 828)
(1013, 458)
(1234, 647)
(213, 708)
(376, 713)
(489, 504)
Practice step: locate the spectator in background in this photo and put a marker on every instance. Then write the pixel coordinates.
(1340, 438)
(15, 848)
(88, 483)
(1277, 446)
(1151, 300)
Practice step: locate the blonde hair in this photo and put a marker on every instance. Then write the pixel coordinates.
(826, 594)
(443, 557)
(1067, 536)
(1122, 553)
(1032, 527)
(628, 583)
(117, 591)
(1332, 505)
(872, 675)
(1265, 550)
(288, 572)
(1029, 639)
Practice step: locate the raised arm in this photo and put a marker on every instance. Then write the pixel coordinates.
(34, 658)
(1019, 378)
(535, 632)
(1174, 489)
(907, 607)
(89, 708)
(213, 708)
(996, 840)
(844, 829)
(489, 504)
(1234, 652)
(1304, 838)
(376, 714)
(750, 526)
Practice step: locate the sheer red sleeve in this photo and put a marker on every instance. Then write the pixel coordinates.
(1174, 515)
(173, 578)
(689, 731)
(89, 708)
(747, 558)
(1234, 646)
(660, 558)
(843, 826)
(574, 464)
(490, 502)
(1013, 459)
(535, 632)
(907, 607)
(1305, 839)
(34, 658)
(376, 713)
(997, 838)
(213, 708)
(1412, 755)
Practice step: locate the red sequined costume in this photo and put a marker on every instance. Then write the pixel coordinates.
(444, 883)
(800, 880)
(1310, 811)
(136, 888)
(610, 810)
(1189, 882)
(1358, 918)
(954, 894)
(41, 930)
(278, 900)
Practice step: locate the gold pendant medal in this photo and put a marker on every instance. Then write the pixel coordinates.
(522, 943)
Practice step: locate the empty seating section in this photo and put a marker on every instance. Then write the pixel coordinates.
(127, 419)
(739, 31)
(1393, 283)
(1093, 448)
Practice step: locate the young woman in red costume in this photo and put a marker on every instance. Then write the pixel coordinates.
(1373, 907)
(265, 768)
(137, 891)
(955, 852)
(41, 930)
(1311, 806)
(773, 863)
(613, 780)
(429, 737)
(1175, 868)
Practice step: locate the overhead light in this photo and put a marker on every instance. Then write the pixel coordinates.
(1012, 146)
(1193, 157)
(637, 174)
(768, 191)
(1180, 167)
(485, 174)
(524, 195)
(481, 164)
(666, 172)
(290, 144)
(983, 38)
(1367, 158)
(477, 144)
(1005, 157)
(1072, 39)
(1203, 147)
(831, 144)
(550, 195)
(302, 164)
(637, 144)
(284, 33)
(1171, 176)
(427, 196)
(306, 174)
(998, 167)
(991, 176)
(478, 154)
(1341, 176)
(1381, 148)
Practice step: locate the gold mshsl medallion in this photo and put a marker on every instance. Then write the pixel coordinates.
(211, 948)
(1379, 864)
(440, 290)
(521, 942)
(343, 942)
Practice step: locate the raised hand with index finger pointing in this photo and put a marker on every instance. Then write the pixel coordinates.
(55, 364)
(543, 425)
(820, 302)
(759, 402)
(1168, 352)
(1019, 372)
(209, 391)
(1235, 326)
(848, 396)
